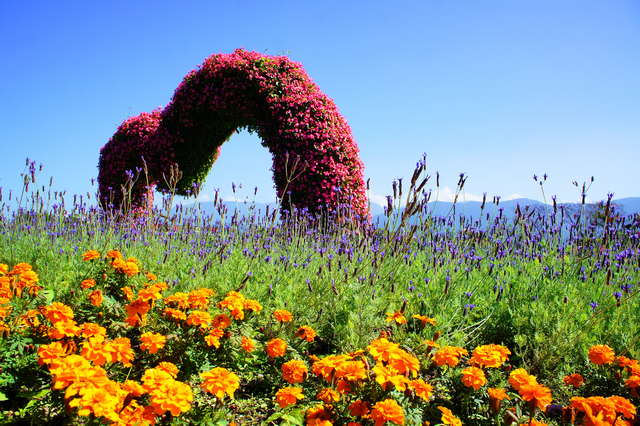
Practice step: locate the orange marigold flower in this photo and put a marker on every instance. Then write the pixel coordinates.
(247, 344)
(424, 319)
(318, 415)
(601, 354)
(114, 254)
(199, 299)
(633, 382)
(328, 396)
(90, 255)
(152, 342)
(294, 371)
(179, 299)
(130, 269)
(421, 388)
(351, 370)
(51, 352)
(473, 377)
(519, 377)
(449, 355)
(359, 408)
(62, 329)
(448, 418)
(576, 380)
(221, 321)
(537, 394)
(4, 269)
(200, 318)
(220, 382)
(306, 333)
(96, 298)
(128, 293)
(496, 395)
(172, 396)
(169, 368)
(282, 315)
(151, 293)
(276, 347)
(121, 351)
(387, 411)
(288, 396)
(489, 356)
(623, 406)
(57, 312)
(134, 388)
(90, 329)
(387, 375)
(88, 283)
(251, 305)
(397, 317)
(151, 276)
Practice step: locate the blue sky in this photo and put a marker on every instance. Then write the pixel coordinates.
(499, 90)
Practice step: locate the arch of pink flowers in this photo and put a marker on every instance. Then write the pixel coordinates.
(316, 163)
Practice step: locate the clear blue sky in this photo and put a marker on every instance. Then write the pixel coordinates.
(499, 90)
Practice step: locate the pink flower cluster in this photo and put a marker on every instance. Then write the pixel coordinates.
(316, 161)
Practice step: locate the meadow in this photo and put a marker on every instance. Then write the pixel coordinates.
(177, 316)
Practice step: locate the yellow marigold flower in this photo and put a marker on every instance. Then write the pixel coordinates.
(449, 355)
(519, 377)
(114, 254)
(397, 317)
(473, 377)
(359, 408)
(489, 356)
(153, 378)
(294, 371)
(288, 396)
(448, 418)
(576, 380)
(96, 298)
(601, 354)
(57, 312)
(130, 269)
(276, 347)
(169, 368)
(220, 382)
(90, 255)
(537, 394)
(128, 293)
(328, 396)
(214, 336)
(88, 283)
(51, 352)
(421, 388)
(247, 344)
(252, 305)
(325, 367)
(152, 342)
(282, 315)
(306, 333)
(221, 321)
(4, 269)
(150, 294)
(424, 319)
(351, 370)
(387, 411)
(200, 318)
(174, 314)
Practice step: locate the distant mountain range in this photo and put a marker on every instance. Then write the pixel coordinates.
(625, 206)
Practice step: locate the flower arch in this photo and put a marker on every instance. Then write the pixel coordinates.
(316, 163)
